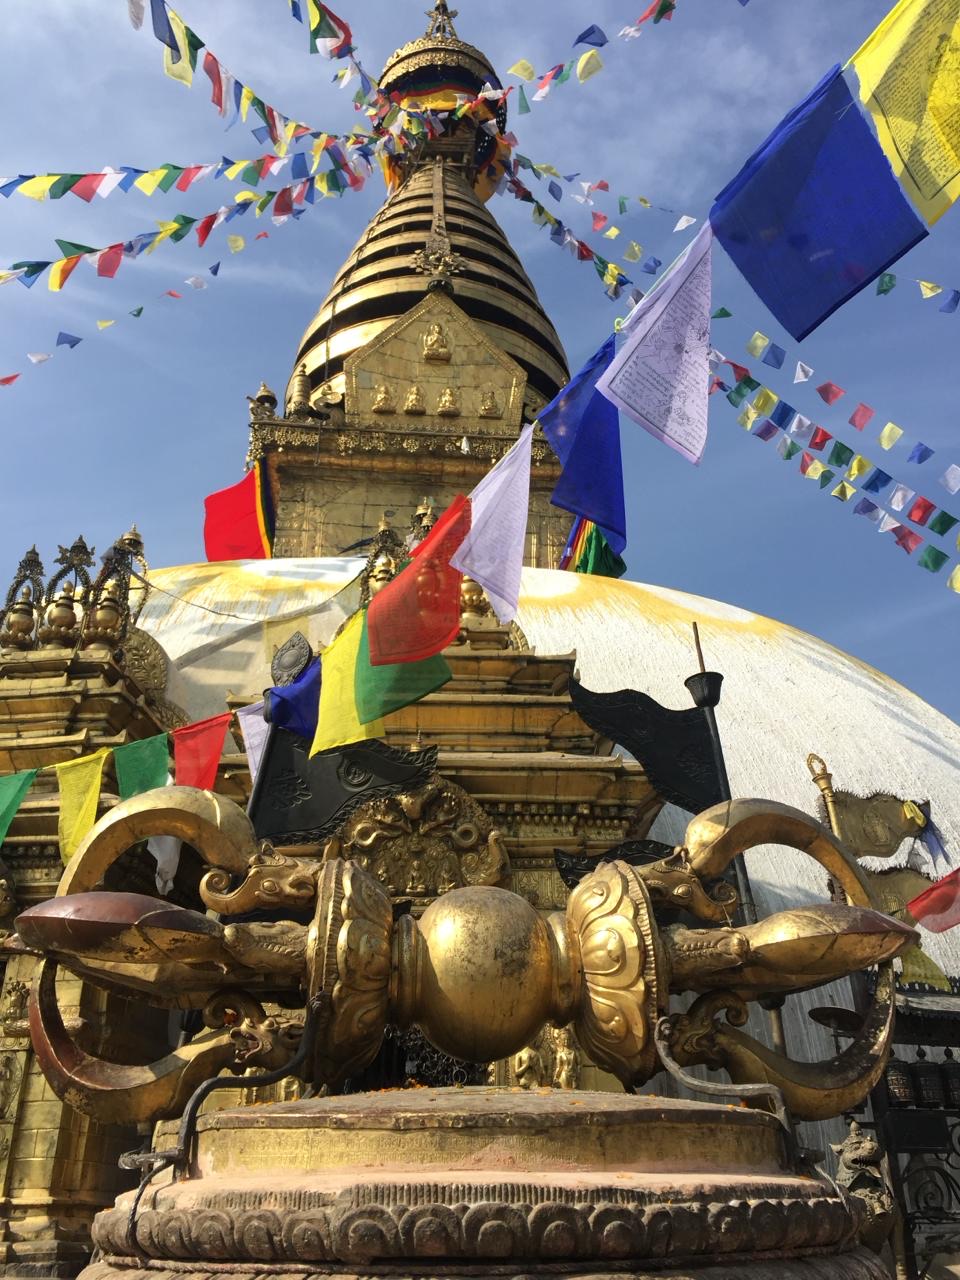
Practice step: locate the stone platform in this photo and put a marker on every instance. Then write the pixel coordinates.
(487, 1182)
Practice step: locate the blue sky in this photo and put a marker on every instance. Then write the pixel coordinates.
(142, 420)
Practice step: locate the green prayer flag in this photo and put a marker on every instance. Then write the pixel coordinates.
(66, 182)
(887, 283)
(942, 522)
(791, 450)
(599, 558)
(137, 312)
(826, 478)
(251, 174)
(564, 75)
(12, 790)
(745, 387)
(171, 173)
(184, 224)
(70, 248)
(524, 107)
(932, 558)
(380, 690)
(141, 766)
(721, 313)
(263, 203)
(622, 202)
(840, 455)
(194, 45)
(664, 9)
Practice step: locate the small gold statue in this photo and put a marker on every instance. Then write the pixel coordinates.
(415, 402)
(383, 401)
(448, 406)
(435, 346)
(489, 404)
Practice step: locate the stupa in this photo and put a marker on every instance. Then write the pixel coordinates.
(407, 922)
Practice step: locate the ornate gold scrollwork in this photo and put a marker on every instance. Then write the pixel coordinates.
(272, 880)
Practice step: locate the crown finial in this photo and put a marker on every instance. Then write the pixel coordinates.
(441, 20)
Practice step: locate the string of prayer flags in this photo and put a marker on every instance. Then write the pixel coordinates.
(141, 766)
(820, 180)
(239, 521)
(197, 749)
(582, 427)
(417, 614)
(492, 552)
(659, 377)
(13, 788)
(79, 782)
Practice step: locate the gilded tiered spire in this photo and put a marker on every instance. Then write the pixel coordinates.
(441, 21)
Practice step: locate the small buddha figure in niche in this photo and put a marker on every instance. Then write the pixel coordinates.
(383, 400)
(415, 402)
(448, 406)
(435, 345)
(489, 404)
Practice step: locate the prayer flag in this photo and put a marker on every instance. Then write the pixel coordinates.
(815, 214)
(804, 373)
(330, 36)
(887, 524)
(588, 64)
(820, 438)
(757, 344)
(844, 492)
(61, 271)
(906, 539)
(782, 414)
(929, 289)
(593, 35)
(39, 357)
(141, 766)
(294, 706)
(9, 380)
(932, 559)
(867, 508)
(254, 730)
(381, 690)
(901, 496)
(105, 324)
(137, 312)
(774, 356)
(920, 453)
(951, 478)
(161, 26)
(523, 69)
(886, 283)
(67, 340)
(683, 222)
(582, 428)
(600, 220)
(179, 65)
(588, 551)
(633, 252)
(877, 482)
(79, 782)
(748, 417)
(13, 788)
(765, 400)
(801, 429)
(908, 70)
(197, 749)
(660, 376)
(953, 582)
(889, 436)
(492, 552)
(235, 243)
(338, 720)
(788, 448)
(942, 523)
(743, 388)
(952, 302)
(418, 614)
(840, 454)
(937, 909)
(651, 265)
(921, 511)
(862, 416)
(829, 392)
(721, 313)
(767, 431)
(859, 466)
(238, 522)
(108, 261)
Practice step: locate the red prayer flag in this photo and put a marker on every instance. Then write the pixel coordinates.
(284, 202)
(921, 511)
(197, 749)
(907, 539)
(108, 261)
(806, 462)
(600, 220)
(235, 521)
(87, 186)
(819, 438)
(861, 416)
(418, 614)
(830, 392)
(584, 252)
(9, 380)
(212, 67)
(172, 293)
(188, 176)
(740, 371)
(204, 227)
(938, 908)
(261, 235)
(602, 185)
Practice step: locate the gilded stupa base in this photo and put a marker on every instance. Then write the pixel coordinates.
(487, 1182)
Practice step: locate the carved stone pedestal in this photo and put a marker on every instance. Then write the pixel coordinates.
(487, 1182)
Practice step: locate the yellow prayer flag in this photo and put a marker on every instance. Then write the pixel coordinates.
(181, 70)
(953, 582)
(844, 492)
(634, 252)
(338, 724)
(748, 417)
(612, 274)
(889, 436)
(908, 70)
(79, 782)
(859, 466)
(166, 231)
(105, 324)
(234, 170)
(758, 344)
(236, 243)
(246, 97)
(38, 188)
(588, 65)
(553, 171)
(929, 289)
(644, 201)
(60, 272)
(611, 233)
(149, 181)
(765, 401)
(815, 470)
(523, 69)
(244, 197)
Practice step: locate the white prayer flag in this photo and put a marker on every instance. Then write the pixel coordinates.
(683, 222)
(254, 730)
(196, 282)
(888, 524)
(38, 357)
(492, 552)
(135, 10)
(110, 182)
(951, 478)
(901, 496)
(801, 429)
(660, 376)
(804, 372)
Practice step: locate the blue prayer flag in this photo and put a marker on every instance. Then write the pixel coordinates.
(931, 837)
(816, 213)
(215, 269)
(33, 273)
(920, 453)
(877, 482)
(952, 302)
(10, 187)
(299, 167)
(295, 10)
(583, 429)
(131, 175)
(555, 189)
(865, 507)
(774, 356)
(261, 133)
(593, 35)
(163, 30)
(67, 340)
(295, 706)
(783, 413)
(651, 265)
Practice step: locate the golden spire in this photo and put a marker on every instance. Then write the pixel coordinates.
(441, 21)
